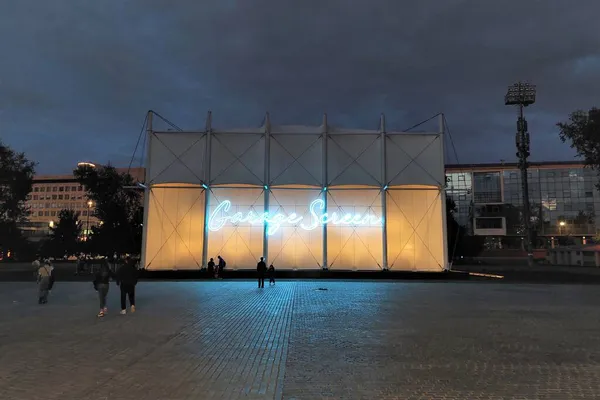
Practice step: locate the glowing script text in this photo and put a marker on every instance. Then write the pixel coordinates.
(220, 217)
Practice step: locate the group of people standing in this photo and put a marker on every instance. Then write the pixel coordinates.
(262, 270)
(216, 270)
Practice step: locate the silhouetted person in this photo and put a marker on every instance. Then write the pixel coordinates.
(210, 268)
(271, 274)
(222, 265)
(127, 278)
(261, 269)
(101, 284)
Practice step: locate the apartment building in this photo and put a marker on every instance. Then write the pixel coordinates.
(52, 193)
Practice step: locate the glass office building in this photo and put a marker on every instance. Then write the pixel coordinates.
(563, 198)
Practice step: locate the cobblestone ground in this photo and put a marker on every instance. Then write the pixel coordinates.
(356, 340)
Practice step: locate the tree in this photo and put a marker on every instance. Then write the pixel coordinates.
(583, 132)
(120, 210)
(16, 179)
(65, 235)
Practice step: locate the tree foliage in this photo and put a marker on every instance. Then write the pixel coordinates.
(460, 243)
(582, 131)
(16, 178)
(65, 235)
(120, 210)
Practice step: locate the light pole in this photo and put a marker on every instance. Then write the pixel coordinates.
(561, 225)
(522, 95)
(87, 224)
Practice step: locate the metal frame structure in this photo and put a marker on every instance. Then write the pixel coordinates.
(360, 160)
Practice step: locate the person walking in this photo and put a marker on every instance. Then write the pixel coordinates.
(101, 284)
(261, 269)
(45, 281)
(221, 267)
(211, 269)
(271, 274)
(127, 278)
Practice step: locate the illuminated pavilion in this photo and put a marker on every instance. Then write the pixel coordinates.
(303, 197)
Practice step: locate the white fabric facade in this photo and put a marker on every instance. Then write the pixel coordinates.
(302, 197)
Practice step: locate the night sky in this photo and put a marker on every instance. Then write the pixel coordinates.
(76, 77)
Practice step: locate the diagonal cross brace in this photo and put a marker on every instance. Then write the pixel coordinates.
(354, 160)
(175, 227)
(414, 228)
(295, 159)
(238, 159)
(177, 158)
(413, 160)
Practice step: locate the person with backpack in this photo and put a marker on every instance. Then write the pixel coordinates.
(127, 278)
(45, 280)
(101, 284)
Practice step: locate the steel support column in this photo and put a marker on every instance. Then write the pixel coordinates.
(266, 184)
(447, 262)
(384, 186)
(324, 189)
(147, 190)
(206, 185)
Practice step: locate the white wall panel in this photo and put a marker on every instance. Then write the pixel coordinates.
(174, 228)
(356, 246)
(240, 244)
(415, 159)
(415, 230)
(176, 157)
(292, 245)
(237, 158)
(296, 159)
(354, 160)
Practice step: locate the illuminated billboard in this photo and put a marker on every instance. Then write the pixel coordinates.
(315, 197)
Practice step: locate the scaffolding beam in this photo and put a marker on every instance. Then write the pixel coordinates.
(206, 186)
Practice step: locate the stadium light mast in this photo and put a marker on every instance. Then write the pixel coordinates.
(521, 95)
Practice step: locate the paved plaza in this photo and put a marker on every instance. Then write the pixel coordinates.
(355, 340)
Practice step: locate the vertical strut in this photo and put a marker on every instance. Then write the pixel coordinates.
(206, 186)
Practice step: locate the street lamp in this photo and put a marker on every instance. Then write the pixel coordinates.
(561, 225)
(522, 95)
(90, 203)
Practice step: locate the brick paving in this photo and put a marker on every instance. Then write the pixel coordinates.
(356, 340)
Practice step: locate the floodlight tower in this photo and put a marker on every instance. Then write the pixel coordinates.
(522, 95)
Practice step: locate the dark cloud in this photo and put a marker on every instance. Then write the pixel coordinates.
(77, 78)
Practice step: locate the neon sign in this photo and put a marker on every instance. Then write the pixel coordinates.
(221, 217)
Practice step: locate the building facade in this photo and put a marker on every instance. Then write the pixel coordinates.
(52, 193)
(563, 197)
